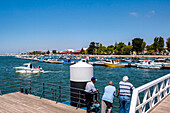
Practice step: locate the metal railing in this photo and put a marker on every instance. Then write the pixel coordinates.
(50, 91)
(152, 93)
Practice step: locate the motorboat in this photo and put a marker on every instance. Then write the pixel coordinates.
(28, 68)
(148, 64)
(25, 66)
(68, 62)
(114, 63)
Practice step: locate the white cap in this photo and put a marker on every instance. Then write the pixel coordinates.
(125, 78)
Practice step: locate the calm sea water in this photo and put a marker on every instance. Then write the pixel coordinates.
(59, 73)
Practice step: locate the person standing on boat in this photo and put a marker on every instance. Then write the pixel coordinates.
(107, 98)
(124, 93)
(31, 65)
(90, 90)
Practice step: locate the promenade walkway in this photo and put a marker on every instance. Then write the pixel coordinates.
(22, 103)
(163, 106)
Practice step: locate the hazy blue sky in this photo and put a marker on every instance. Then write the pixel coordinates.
(27, 25)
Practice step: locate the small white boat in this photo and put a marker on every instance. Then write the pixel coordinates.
(25, 66)
(28, 68)
(148, 64)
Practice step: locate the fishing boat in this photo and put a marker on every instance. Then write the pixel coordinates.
(148, 64)
(28, 68)
(114, 63)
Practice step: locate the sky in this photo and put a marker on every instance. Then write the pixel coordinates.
(27, 25)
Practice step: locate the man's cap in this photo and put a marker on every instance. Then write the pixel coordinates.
(93, 78)
(125, 78)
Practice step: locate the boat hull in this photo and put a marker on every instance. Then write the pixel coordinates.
(30, 71)
(114, 65)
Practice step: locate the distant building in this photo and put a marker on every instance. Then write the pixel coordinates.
(70, 50)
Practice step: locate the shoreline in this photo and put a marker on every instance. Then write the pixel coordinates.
(119, 56)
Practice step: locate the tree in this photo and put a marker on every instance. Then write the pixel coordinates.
(150, 49)
(136, 43)
(104, 50)
(54, 51)
(129, 44)
(100, 51)
(160, 44)
(119, 47)
(115, 45)
(126, 49)
(168, 44)
(48, 52)
(91, 48)
(156, 43)
(97, 47)
(82, 51)
(110, 49)
(143, 46)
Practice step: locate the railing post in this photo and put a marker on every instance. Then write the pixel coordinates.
(0, 93)
(59, 94)
(42, 95)
(78, 104)
(134, 101)
(30, 87)
(55, 94)
(52, 94)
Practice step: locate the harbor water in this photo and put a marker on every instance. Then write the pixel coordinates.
(60, 74)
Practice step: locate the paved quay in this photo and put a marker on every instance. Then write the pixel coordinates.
(163, 106)
(22, 103)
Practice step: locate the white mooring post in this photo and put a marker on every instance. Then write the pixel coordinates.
(80, 74)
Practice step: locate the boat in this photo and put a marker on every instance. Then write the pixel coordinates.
(114, 63)
(148, 64)
(28, 68)
(68, 62)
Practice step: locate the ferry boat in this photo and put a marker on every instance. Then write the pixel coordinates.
(28, 68)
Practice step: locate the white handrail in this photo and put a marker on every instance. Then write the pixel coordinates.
(161, 88)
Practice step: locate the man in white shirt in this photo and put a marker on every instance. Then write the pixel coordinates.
(90, 91)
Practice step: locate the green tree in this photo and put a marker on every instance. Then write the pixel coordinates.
(115, 45)
(126, 49)
(129, 43)
(97, 47)
(91, 48)
(82, 51)
(161, 44)
(156, 43)
(48, 52)
(150, 49)
(143, 46)
(100, 51)
(54, 51)
(136, 43)
(119, 48)
(110, 49)
(168, 44)
(104, 50)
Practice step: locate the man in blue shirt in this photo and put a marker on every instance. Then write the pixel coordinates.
(107, 98)
(124, 93)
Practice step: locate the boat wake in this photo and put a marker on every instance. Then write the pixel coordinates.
(52, 71)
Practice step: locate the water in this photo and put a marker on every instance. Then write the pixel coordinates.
(59, 73)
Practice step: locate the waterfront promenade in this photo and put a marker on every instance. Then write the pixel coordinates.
(22, 103)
